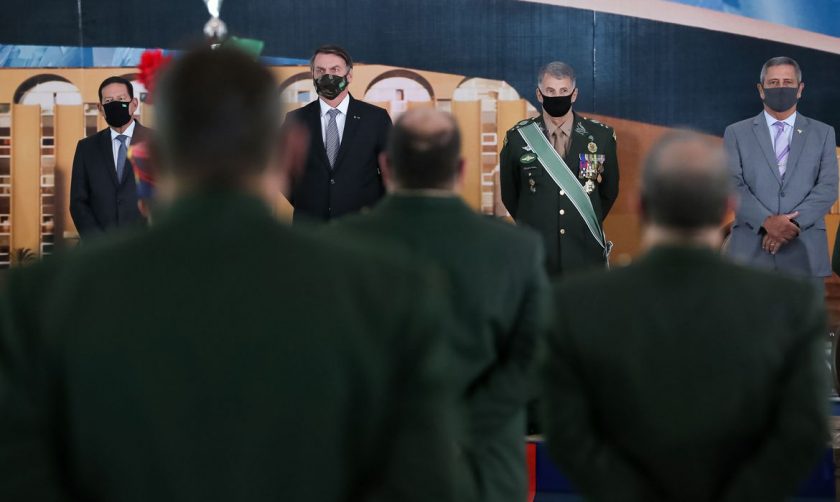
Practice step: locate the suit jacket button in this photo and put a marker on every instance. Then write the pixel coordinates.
(562, 192)
(782, 194)
(562, 231)
(332, 181)
(562, 212)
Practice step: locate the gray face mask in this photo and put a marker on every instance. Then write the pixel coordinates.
(780, 99)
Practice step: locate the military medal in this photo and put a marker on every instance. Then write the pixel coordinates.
(591, 167)
(592, 147)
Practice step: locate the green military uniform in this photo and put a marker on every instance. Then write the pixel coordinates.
(499, 293)
(533, 199)
(702, 381)
(222, 356)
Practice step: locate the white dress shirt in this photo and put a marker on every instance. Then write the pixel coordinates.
(340, 119)
(787, 134)
(115, 144)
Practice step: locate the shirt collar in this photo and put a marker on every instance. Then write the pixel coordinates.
(790, 121)
(342, 107)
(128, 132)
(566, 127)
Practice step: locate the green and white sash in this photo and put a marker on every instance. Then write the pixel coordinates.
(563, 177)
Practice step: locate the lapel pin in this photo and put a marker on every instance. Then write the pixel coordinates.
(799, 131)
(356, 117)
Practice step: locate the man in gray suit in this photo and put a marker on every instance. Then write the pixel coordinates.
(785, 170)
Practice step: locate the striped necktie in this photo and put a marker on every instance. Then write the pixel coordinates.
(781, 147)
(332, 137)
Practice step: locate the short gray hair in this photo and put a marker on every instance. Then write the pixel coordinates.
(556, 69)
(780, 61)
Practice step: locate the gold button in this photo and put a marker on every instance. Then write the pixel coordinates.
(562, 212)
(562, 231)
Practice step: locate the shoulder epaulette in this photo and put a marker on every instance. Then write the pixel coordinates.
(523, 123)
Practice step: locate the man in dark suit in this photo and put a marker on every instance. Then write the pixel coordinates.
(498, 287)
(698, 381)
(140, 369)
(102, 190)
(346, 137)
(564, 181)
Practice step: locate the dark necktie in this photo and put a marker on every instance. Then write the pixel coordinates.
(121, 154)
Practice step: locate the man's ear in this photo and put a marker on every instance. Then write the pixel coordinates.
(291, 154)
(387, 174)
(639, 205)
(460, 173)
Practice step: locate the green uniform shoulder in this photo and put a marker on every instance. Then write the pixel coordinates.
(598, 126)
(523, 123)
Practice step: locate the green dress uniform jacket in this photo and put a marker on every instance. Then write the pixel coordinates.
(222, 356)
(534, 200)
(702, 381)
(499, 289)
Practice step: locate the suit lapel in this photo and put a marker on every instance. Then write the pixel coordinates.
(313, 114)
(107, 150)
(797, 142)
(351, 125)
(762, 135)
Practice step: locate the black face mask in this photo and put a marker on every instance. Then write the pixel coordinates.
(117, 113)
(330, 86)
(780, 99)
(557, 106)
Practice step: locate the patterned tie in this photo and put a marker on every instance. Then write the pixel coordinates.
(781, 147)
(332, 137)
(121, 154)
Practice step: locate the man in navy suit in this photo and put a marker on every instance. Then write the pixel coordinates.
(102, 190)
(346, 137)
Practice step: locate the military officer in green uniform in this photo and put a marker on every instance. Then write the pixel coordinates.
(705, 380)
(220, 355)
(498, 290)
(559, 175)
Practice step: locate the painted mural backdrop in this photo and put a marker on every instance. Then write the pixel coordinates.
(643, 67)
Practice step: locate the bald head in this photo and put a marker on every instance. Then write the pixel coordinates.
(424, 150)
(685, 184)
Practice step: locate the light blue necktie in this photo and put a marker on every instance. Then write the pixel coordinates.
(781, 147)
(121, 154)
(332, 137)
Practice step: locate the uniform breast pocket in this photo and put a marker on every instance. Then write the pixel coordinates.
(533, 177)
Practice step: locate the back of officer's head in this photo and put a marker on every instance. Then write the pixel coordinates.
(424, 150)
(218, 118)
(685, 183)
